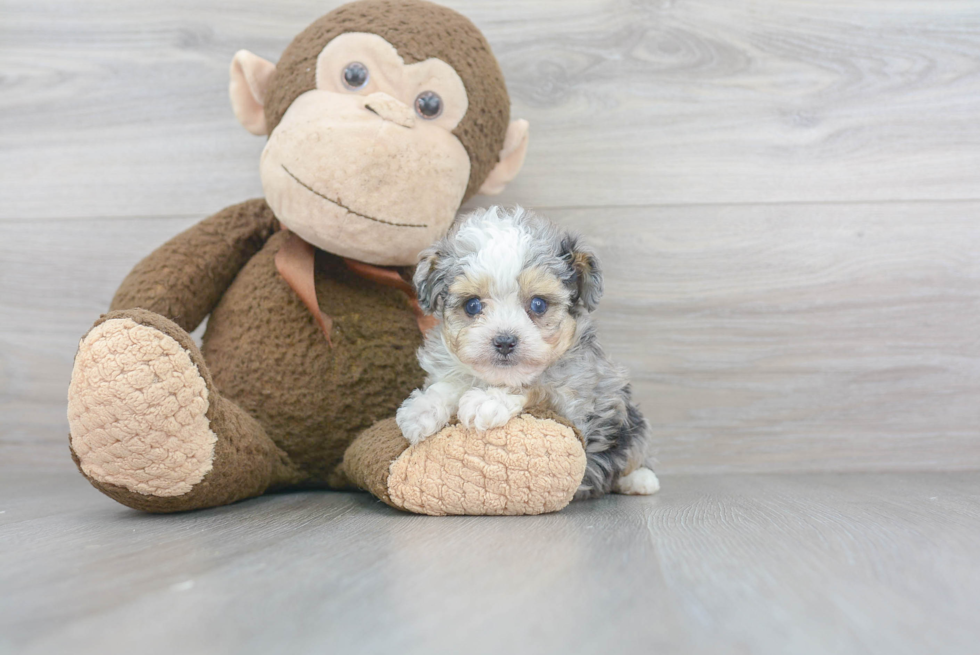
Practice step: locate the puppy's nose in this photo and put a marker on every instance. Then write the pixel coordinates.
(505, 343)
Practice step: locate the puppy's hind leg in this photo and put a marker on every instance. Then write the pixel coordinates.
(641, 482)
(616, 456)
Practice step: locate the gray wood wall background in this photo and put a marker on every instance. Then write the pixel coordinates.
(785, 193)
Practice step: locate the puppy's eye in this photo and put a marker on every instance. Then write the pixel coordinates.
(473, 306)
(428, 105)
(539, 305)
(355, 75)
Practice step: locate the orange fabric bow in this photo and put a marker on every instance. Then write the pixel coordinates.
(295, 263)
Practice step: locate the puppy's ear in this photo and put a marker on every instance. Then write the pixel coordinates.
(586, 276)
(431, 279)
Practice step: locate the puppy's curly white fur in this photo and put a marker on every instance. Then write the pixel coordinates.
(514, 293)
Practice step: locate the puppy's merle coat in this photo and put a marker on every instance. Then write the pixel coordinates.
(514, 293)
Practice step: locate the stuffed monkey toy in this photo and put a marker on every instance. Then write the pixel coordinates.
(382, 118)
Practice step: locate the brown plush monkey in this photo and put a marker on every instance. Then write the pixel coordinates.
(382, 118)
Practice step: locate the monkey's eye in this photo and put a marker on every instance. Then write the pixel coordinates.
(355, 75)
(428, 105)
(539, 305)
(473, 306)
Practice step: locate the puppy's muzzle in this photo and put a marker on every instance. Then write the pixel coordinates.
(504, 343)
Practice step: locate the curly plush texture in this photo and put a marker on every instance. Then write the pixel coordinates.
(530, 465)
(515, 469)
(311, 398)
(137, 408)
(407, 25)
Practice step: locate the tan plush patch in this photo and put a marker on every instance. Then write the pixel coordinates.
(359, 186)
(529, 466)
(391, 76)
(137, 411)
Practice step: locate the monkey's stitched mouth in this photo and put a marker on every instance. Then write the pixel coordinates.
(344, 207)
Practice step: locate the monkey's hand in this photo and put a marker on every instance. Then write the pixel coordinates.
(483, 409)
(425, 412)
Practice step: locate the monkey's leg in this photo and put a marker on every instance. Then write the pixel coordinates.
(149, 430)
(530, 465)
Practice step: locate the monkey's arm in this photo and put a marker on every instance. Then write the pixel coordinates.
(185, 278)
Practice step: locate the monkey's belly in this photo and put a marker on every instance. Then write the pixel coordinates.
(267, 354)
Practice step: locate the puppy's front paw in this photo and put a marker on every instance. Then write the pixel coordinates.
(641, 482)
(488, 408)
(421, 416)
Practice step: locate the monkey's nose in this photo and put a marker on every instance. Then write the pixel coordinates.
(390, 109)
(505, 343)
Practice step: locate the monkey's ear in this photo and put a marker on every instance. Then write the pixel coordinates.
(511, 159)
(431, 279)
(250, 75)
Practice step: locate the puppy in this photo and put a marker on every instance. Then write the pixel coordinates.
(514, 293)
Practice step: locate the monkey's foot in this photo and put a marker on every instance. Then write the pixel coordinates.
(528, 466)
(137, 409)
(149, 430)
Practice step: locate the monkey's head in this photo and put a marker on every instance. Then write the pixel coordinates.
(383, 117)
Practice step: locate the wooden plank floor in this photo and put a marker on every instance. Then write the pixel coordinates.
(832, 563)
